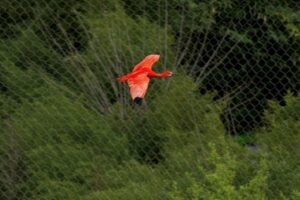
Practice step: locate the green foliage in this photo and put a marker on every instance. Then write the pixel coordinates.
(14, 14)
(68, 131)
(250, 48)
(48, 189)
(218, 180)
(178, 95)
(106, 58)
(58, 26)
(20, 85)
(71, 152)
(281, 142)
(62, 141)
(29, 52)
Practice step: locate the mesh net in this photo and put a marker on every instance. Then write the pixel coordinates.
(224, 126)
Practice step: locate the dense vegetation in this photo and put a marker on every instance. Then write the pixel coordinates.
(245, 50)
(68, 129)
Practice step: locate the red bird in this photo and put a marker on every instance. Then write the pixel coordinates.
(139, 78)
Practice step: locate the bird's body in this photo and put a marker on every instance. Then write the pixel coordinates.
(138, 80)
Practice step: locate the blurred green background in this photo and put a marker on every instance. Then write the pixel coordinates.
(227, 126)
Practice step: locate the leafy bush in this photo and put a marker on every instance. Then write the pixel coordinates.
(62, 141)
(96, 69)
(280, 141)
(217, 180)
(68, 130)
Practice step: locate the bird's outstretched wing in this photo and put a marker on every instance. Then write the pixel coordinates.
(147, 62)
(138, 85)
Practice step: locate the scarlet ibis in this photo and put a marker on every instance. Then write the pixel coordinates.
(138, 80)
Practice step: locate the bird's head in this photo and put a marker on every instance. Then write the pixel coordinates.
(167, 73)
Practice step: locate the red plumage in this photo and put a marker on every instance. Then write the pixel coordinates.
(138, 80)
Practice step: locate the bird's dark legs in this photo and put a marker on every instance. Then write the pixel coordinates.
(138, 100)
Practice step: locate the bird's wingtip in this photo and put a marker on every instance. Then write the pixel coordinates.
(122, 79)
(138, 101)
